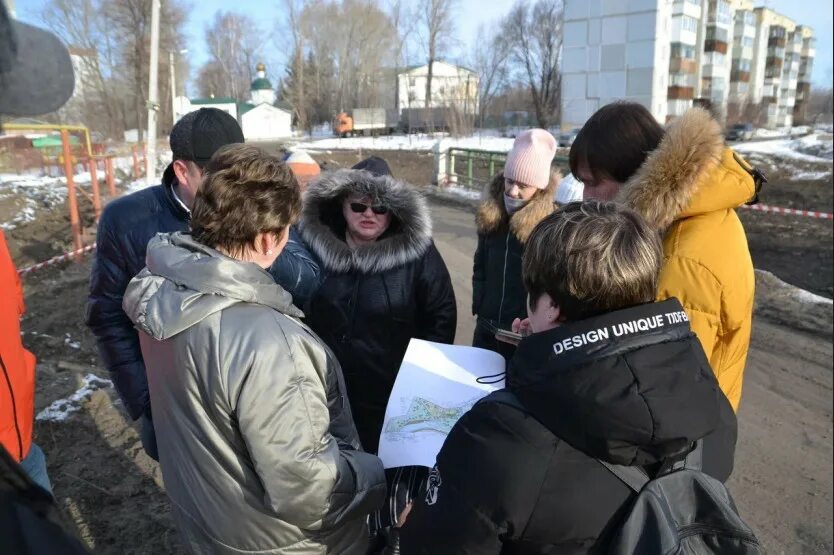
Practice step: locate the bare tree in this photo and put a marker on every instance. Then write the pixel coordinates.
(340, 57)
(111, 37)
(293, 92)
(403, 22)
(234, 43)
(491, 61)
(536, 35)
(820, 108)
(438, 28)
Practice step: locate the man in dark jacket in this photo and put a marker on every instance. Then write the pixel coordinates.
(125, 228)
(606, 374)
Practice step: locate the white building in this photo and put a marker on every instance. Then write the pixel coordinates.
(672, 54)
(615, 50)
(184, 105)
(265, 122)
(715, 35)
(259, 118)
(451, 86)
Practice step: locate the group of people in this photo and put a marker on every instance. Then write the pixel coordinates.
(253, 313)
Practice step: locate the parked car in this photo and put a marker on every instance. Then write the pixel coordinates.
(566, 138)
(740, 132)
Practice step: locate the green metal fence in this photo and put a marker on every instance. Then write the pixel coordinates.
(474, 168)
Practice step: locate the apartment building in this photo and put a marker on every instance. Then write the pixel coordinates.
(672, 54)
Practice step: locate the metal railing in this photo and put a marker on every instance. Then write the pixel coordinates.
(474, 168)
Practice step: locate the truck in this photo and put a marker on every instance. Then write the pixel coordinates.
(421, 120)
(365, 121)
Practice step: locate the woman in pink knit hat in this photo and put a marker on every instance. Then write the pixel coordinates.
(515, 201)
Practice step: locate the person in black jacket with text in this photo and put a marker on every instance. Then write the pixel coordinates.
(606, 374)
(383, 282)
(125, 228)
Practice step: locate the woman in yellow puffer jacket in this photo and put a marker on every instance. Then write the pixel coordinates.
(687, 184)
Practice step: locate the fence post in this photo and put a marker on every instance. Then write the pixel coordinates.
(451, 173)
(469, 159)
(94, 185)
(75, 221)
(108, 172)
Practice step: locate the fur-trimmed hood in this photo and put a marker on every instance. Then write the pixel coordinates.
(691, 172)
(492, 215)
(323, 226)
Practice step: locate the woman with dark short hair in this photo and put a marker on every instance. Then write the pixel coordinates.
(256, 441)
(687, 184)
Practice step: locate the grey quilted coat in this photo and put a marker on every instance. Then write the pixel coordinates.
(257, 445)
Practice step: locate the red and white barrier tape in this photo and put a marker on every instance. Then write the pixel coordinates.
(57, 259)
(790, 211)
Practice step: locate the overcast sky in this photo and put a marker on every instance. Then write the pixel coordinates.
(470, 14)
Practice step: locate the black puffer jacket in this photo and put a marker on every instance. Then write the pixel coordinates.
(125, 228)
(374, 299)
(498, 295)
(636, 399)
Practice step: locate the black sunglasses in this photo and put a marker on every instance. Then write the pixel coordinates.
(360, 208)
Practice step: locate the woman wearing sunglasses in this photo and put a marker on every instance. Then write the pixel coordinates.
(383, 282)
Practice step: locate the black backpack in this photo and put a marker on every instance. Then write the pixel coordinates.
(30, 522)
(680, 511)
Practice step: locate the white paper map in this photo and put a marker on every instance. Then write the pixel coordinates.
(435, 386)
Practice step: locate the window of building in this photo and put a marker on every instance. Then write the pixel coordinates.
(749, 18)
(680, 80)
(689, 23)
(724, 15)
(715, 58)
(717, 33)
(741, 65)
(746, 42)
(680, 50)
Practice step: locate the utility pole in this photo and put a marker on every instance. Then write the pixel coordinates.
(153, 99)
(173, 88)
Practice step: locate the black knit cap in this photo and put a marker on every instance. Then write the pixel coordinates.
(198, 135)
(375, 165)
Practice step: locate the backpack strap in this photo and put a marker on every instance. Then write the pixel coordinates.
(632, 476)
(694, 459)
(636, 478)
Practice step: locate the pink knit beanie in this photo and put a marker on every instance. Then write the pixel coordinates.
(529, 160)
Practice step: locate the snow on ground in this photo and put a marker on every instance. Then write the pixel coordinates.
(776, 286)
(62, 408)
(29, 193)
(816, 147)
(464, 192)
(421, 141)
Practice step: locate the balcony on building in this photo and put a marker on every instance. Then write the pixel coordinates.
(718, 11)
(676, 92)
(716, 40)
(682, 58)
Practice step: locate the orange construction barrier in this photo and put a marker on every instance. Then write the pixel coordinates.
(108, 172)
(94, 184)
(73, 203)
